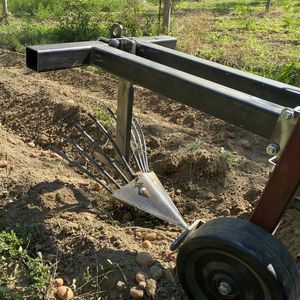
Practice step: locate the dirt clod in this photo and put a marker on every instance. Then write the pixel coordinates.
(156, 272)
(151, 288)
(144, 259)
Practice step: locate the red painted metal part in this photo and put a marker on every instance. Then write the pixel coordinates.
(281, 186)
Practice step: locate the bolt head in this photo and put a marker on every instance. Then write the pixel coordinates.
(225, 288)
(114, 43)
(288, 114)
(272, 149)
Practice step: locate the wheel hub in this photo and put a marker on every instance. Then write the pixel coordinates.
(224, 288)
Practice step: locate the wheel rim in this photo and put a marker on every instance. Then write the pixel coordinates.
(213, 269)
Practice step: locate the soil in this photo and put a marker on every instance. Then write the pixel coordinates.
(209, 167)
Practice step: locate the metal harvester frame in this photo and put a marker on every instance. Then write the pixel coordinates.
(224, 258)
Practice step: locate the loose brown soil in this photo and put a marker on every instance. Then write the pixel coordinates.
(210, 169)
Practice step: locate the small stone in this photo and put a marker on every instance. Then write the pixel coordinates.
(225, 212)
(150, 236)
(140, 276)
(138, 234)
(70, 101)
(117, 244)
(156, 272)
(191, 205)
(97, 187)
(144, 259)
(33, 155)
(3, 163)
(136, 293)
(142, 284)
(210, 195)
(64, 293)
(43, 139)
(178, 192)
(151, 288)
(44, 153)
(121, 285)
(31, 144)
(298, 258)
(58, 282)
(103, 182)
(147, 244)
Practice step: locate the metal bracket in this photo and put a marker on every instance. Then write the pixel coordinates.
(183, 236)
(283, 129)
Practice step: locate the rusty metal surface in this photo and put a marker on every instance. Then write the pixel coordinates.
(281, 186)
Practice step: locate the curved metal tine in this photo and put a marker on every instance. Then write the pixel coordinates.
(112, 113)
(143, 142)
(139, 146)
(82, 168)
(101, 151)
(90, 159)
(99, 125)
(139, 127)
(138, 163)
(137, 151)
(137, 160)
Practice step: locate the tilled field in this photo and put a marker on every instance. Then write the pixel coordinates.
(210, 169)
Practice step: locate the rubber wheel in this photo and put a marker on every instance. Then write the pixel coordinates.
(230, 259)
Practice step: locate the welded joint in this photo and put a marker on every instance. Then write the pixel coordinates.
(283, 129)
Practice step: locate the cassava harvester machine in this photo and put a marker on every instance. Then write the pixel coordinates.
(225, 258)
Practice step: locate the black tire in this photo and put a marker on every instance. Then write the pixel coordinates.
(239, 255)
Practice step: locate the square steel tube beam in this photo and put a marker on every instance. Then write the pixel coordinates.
(252, 113)
(271, 90)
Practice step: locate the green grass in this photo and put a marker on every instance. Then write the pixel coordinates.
(235, 33)
(241, 35)
(21, 275)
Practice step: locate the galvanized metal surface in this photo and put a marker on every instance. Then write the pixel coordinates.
(147, 194)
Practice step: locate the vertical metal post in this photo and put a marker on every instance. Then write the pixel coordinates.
(125, 107)
(124, 116)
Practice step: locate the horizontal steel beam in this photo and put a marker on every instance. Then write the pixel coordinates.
(271, 90)
(252, 113)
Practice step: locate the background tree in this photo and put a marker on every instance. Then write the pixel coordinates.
(268, 4)
(167, 8)
(4, 8)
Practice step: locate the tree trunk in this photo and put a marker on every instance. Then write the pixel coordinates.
(4, 8)
(167, 15)
(268, 4)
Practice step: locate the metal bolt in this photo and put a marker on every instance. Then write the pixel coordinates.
(225, 288)
(272, 149)
(142, 191)
(114, 43)
(288, 114)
